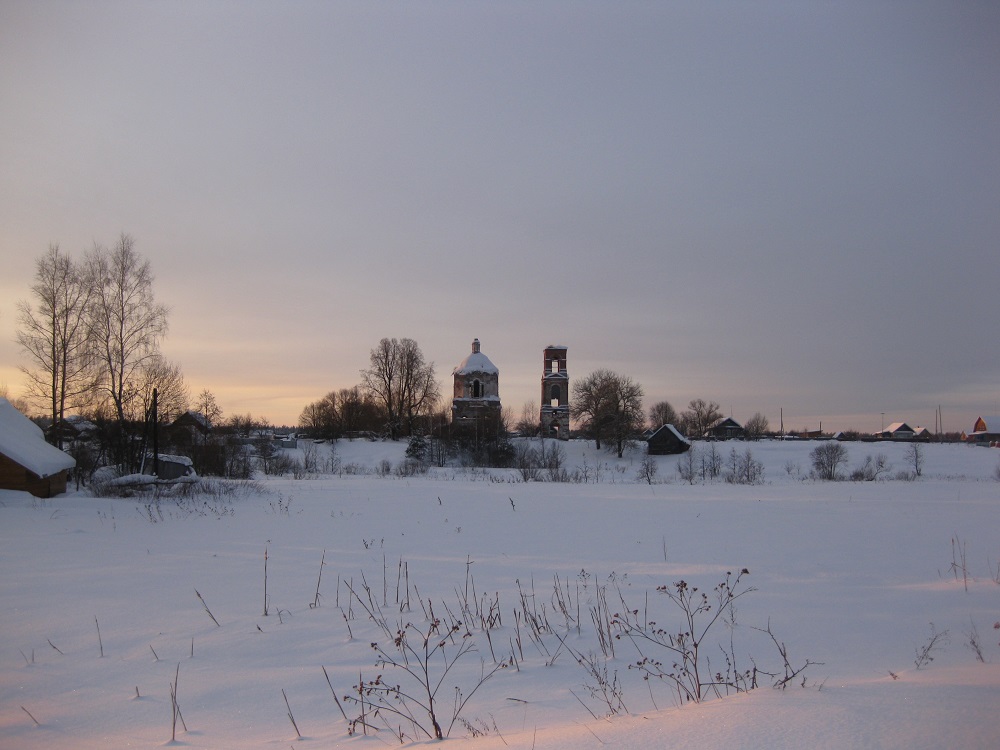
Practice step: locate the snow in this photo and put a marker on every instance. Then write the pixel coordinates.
(476, 362)
(853, 575)
(23, 441)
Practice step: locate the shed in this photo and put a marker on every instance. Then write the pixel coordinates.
(666, 441)
(27, 462)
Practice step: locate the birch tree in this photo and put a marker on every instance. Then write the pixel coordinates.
(53, 335)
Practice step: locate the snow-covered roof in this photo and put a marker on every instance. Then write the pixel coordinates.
(899, 427)
(670, 428)
(991, 425)
(476, 362)
(22, 441)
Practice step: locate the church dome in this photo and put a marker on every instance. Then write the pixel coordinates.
(476, 362)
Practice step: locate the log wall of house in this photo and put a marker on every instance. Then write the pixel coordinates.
(13, 476)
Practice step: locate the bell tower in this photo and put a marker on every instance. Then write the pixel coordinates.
(554, 415)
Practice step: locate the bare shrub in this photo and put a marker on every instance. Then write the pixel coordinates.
(827, 460)
(924, 654)
(410, 468)
(647, 470)
(424, 659)
(679, 657)
(914, 458)
(744, 468)
(871, 469)
(687, 465)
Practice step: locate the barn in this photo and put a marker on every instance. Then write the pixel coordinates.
(666, 441)
(27, 462)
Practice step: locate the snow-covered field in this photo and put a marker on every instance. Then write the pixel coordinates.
(855, 576)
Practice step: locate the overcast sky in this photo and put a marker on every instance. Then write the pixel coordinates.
(785, 207)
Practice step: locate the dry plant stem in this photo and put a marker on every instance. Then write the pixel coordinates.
(207, 610)
(974, 644)
(958, 563)
(290, 717)
(335, 698)
(685, 665)
(100, 643)
(54, 646)
(265, 584)
(319, 579)
(32, 717)
(175, 709)
(925, 653)
(426, 658)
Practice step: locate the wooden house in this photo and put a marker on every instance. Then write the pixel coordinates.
(27, 462)
(986, 430)
(897, 431)
(666, 441)
(725, 428)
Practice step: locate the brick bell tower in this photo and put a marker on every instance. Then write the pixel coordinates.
(554, 415)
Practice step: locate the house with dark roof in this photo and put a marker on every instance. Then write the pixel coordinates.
(27, 462)
(897, 431)
(666, 441)
(725, 428)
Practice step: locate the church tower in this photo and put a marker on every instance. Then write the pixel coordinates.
(475, 407)
(554, 415)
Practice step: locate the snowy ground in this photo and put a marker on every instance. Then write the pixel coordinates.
(857, 576)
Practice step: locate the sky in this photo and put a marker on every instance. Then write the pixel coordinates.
(784, 207)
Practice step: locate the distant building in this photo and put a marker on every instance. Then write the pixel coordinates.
(897, 431)
(666, 441)
(27, 462)
(986, 430)
(725, 428)
(475, 406)
(554, 414)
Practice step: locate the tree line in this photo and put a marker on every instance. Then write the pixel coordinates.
(91, 336)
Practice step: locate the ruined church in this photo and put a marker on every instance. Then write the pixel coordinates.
(475, 405)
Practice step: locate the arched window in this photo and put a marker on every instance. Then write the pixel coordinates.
(477, 389)
(555, 395)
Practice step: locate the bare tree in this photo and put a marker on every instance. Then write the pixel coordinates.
(591, 404)
(208, 407)
(914, 456)
(402, 383)
(53, 334)
(172, 395)
(699, 416)
(125, 323)
(827, 459)
(357, 411)
(661, 413)
(321, 418)
(528, 425)
(124, 328)
(609, 407)
(756, 427)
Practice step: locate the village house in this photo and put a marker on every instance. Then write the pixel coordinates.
(985, 431)
(666, 441)
(27, 462)
(725, 428)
